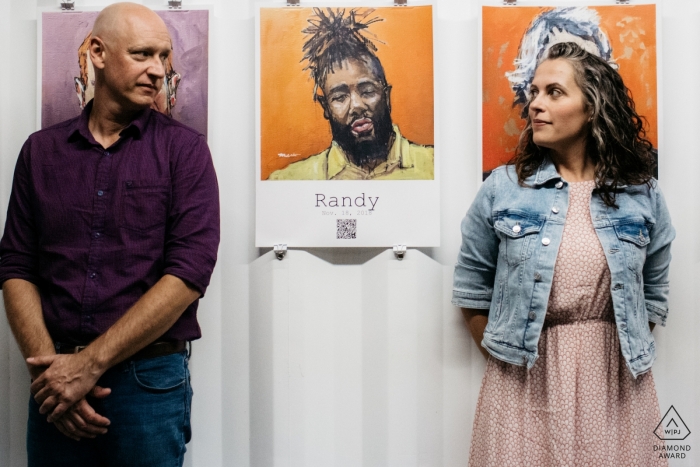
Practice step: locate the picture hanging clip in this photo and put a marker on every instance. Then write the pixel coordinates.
(280, 250)
(399, 251)
(292, 2)
(400, 2)
(510, 2)
(68, 5)
(622, 2)
(175, 4)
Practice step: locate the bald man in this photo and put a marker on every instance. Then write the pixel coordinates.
(111, 238)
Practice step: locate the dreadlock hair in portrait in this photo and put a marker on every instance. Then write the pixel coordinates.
(338, 35)
(616, 144)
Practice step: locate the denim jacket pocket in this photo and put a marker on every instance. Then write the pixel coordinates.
(634, 236)
(519, 230)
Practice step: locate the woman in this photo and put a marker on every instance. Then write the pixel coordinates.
(562, 273)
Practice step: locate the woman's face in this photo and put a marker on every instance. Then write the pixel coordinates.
(558, 112)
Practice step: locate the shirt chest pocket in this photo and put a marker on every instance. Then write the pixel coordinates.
(634, 238)
(518, 232)
(145, 204)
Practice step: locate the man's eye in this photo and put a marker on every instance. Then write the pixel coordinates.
(338, 97)
(369, 93)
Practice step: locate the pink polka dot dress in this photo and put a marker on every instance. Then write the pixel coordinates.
(579, 406)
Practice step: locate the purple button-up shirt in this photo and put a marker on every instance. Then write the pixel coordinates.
(94, 229)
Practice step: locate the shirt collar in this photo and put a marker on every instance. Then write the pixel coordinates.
(398, 154)
(80, 124)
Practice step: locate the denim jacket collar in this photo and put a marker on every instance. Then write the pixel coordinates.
(546, 172)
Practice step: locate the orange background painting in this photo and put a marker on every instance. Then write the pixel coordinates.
(631, 30)
(292, 123)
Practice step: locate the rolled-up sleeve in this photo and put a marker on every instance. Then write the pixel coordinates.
(658, 260)
(476, 263)
(192, 236)
(18, 247)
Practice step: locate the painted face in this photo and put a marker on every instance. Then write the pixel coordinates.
(355, 98)
(135, 62)
(557, 108)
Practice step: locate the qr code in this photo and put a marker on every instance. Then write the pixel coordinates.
(347, 228)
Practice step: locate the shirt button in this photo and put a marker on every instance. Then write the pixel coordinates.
(100, 193)
(555, 210)
(531, 315)
(559, 185)
(545, 241)
(106, 153)
(93, 275)
(517, 229)
(96, 235)
(538, 277)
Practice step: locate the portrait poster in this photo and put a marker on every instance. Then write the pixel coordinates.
(514, 39)
(346, 127)
(67, 77)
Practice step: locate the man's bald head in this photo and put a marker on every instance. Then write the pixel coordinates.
(118, 19)
(129, 48)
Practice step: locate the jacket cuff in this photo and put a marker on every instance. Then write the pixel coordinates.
(471, 300)
(656, 315)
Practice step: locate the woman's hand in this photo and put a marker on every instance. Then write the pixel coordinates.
(476, 322)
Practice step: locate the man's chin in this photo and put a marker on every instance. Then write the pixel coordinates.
(365, 138)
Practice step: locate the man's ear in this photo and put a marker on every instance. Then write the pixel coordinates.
(321, 99)
(387, 96)
(96, 52)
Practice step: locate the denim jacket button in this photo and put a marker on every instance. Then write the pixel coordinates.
(555, 210)
(517, 228)
(545, 241)
(531, 315)
(559, 185)
(538, 277)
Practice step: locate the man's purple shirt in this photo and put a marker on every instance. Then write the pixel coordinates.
(94, 229)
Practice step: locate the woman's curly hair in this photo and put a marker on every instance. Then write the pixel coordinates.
(616, 144)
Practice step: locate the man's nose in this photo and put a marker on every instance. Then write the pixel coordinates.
(356, 102)
(157, 68)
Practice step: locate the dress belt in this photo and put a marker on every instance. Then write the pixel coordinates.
(155, 349)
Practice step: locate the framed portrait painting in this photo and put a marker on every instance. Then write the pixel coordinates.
(346, 127)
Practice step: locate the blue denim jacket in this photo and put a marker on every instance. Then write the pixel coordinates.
(510, 239)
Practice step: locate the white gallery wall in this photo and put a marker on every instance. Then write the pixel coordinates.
(350, 357)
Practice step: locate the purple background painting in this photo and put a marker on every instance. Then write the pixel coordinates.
(62, 34)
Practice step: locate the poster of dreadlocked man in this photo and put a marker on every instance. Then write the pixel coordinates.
(350, 85)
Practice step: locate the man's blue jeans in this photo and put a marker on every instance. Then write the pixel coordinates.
(149, 410)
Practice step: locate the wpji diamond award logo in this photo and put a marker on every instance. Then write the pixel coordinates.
(672, 428)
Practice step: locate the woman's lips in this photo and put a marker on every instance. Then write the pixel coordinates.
(363, 125)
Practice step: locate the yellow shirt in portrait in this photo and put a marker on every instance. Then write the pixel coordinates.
(406, 161)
